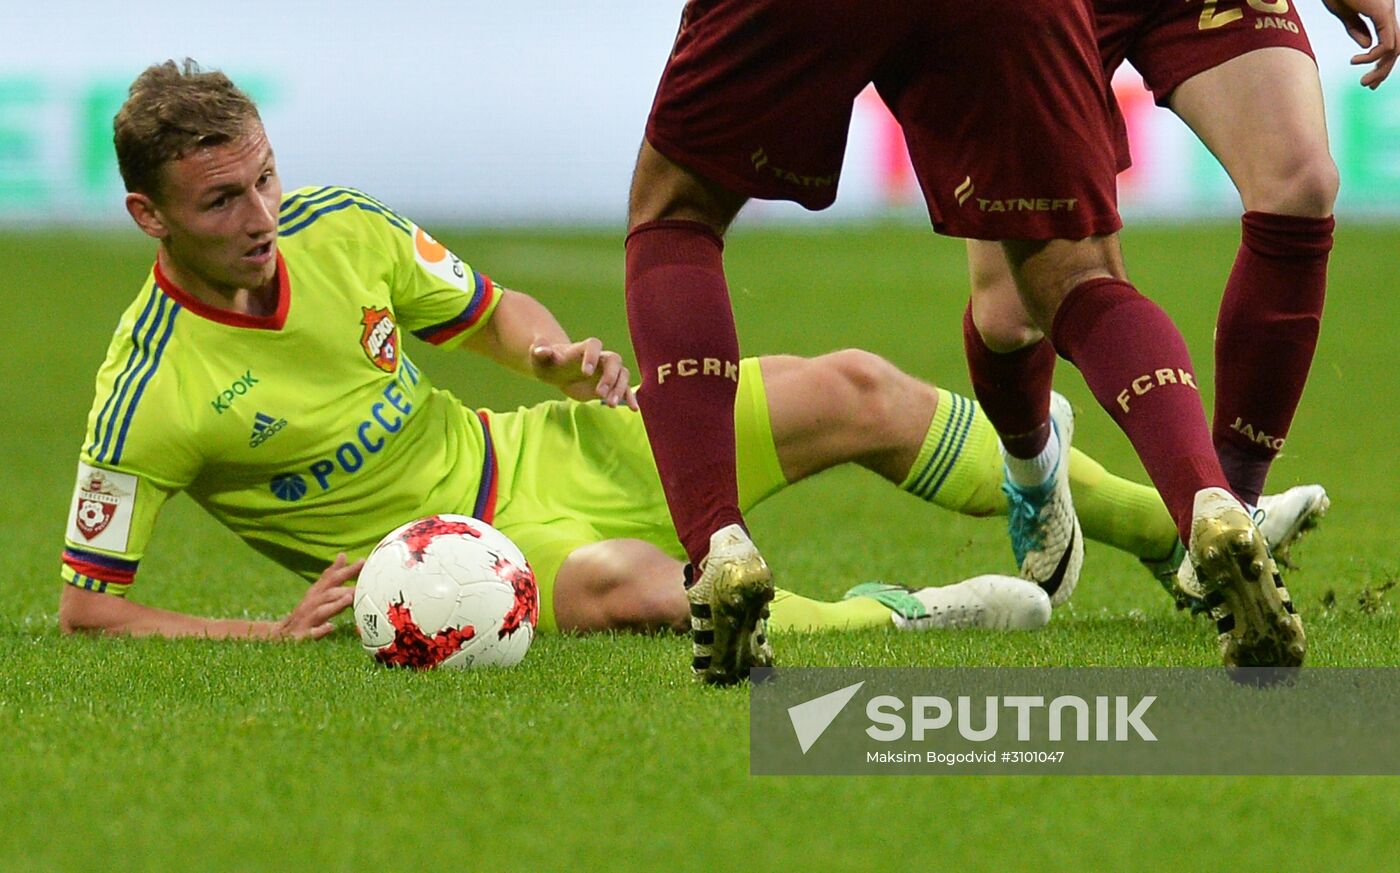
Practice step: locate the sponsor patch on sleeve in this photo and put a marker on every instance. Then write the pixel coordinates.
(434, 257)
(103, 502)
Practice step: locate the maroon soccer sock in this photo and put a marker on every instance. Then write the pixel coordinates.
(1013, 389)
(687, 349)
(1137, 365)
(1264, 341)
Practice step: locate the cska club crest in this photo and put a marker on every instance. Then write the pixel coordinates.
(97, 504)
(380, 339)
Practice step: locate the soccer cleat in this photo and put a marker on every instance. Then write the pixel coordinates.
(1281, 518)
(1284, 518)
(1238, 581)
(996, 602)
(729, 610)
(1045, 535)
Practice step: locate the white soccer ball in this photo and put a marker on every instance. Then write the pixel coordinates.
(446, 591)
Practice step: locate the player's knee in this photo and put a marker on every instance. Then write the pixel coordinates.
(1004, 327)
(1304, 184)
(632, 589)
(872, 390)
(619, 585)
(1048, 271)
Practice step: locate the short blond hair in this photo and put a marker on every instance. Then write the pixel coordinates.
(171, 110)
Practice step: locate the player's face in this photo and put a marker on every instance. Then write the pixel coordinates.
(218, 206)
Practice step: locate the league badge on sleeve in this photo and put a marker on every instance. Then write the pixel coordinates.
(102, 506)
(437, 259)
(380, 339)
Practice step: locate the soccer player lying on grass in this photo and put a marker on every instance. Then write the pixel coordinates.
(260, 369)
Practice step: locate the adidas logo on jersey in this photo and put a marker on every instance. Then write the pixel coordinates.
(265, 427)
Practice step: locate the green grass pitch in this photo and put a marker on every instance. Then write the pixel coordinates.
(599, 753)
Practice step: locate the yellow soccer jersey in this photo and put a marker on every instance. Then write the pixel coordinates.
(306, 432)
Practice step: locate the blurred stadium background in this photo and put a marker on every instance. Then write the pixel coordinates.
(527, 112)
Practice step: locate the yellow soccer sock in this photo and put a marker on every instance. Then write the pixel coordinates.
(1123, 514)
(959, 466)
(793, 613)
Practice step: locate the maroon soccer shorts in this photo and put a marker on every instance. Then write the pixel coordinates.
(1169, 41)
(1002, 102)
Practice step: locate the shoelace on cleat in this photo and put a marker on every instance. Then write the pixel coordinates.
(1022, 520)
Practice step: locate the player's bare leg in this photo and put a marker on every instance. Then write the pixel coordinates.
(1240, 110)
(1137, 365)
(850, 406)
(687, 350)
(620, 585)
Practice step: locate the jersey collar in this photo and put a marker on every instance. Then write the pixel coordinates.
(274, 321)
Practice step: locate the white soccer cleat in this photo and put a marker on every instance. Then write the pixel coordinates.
(995, 602)
(1238, 581)
(1284, 518)
(1045, 534)
(729, 608)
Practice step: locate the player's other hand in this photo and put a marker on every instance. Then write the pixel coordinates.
(1381, 51)
(584, 370)
(326, 598)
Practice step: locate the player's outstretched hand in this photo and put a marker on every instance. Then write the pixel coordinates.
(584, 370)
(1383, 50)
(326, 598)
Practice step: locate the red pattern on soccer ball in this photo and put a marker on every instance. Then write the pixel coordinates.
(423, 532)
(527, 597)
(413, 648)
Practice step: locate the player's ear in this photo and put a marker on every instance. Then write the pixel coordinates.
(144, 211)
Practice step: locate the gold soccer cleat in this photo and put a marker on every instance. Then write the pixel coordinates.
(729, 609)
(1237, 579)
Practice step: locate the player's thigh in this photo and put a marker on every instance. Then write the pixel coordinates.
(809, 408)
(620, 585)
(999, 155)
(757, 94)
(1262, 115)
(664, 190)
(1241, 73)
